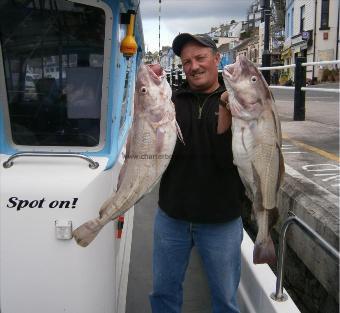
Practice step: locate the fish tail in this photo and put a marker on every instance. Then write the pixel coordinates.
(264, 252)
(85, 233)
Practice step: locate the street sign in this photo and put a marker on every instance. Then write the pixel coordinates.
(305, 35)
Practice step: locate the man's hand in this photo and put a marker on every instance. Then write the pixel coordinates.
(224, 115)
(224, 100)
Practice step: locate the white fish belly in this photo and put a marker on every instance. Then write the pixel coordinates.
(243, 151)
(145, 165)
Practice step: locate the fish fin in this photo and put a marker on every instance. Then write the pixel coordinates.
(277, 123)
(253, 214)
(264, 252)
(85, 233)
(122, 172)
(179, 133)
(128, 143)
(281, 169)
(178, 129)
(127, 155)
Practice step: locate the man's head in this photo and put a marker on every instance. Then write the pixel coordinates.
(199, 59)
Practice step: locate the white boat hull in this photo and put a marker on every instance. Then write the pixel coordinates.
(38, 272)
(258, 282)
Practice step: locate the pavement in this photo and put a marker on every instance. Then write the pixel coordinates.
(311, 153)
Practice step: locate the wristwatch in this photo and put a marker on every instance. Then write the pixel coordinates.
(224, 104)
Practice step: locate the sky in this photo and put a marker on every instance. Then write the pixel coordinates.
(192, 16)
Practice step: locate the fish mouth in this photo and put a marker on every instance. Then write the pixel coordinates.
(155, 71)
(233, 71)
(229, 70)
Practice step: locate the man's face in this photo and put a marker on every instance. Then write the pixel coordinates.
(200, 67)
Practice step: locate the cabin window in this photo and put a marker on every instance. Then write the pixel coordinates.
(53, 62)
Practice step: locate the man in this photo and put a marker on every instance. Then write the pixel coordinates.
(200, 192)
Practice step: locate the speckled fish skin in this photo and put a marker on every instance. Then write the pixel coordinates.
(150, 145)
(256, 148)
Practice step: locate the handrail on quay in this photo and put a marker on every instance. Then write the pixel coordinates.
(300, 84)
(321, 63)
(320, 89)
(280, 67)
(278, 295)
(299, 81)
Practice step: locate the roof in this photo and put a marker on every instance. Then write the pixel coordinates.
(246, 42)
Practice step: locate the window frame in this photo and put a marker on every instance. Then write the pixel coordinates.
(302, 18)
(324, 15)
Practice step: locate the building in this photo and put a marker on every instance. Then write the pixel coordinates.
(250, 48)
(311, 31)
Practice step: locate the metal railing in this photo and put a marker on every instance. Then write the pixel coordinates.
(175, 78)
(300, 84)
(9, 163)
(278, 295)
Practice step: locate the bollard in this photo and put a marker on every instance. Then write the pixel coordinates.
(179, 78)
(266, 62)
(299, 95)
(173, 80)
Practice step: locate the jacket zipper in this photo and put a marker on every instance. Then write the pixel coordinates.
(200, 107)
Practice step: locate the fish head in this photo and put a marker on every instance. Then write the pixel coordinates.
(152, 91)
(245, 83)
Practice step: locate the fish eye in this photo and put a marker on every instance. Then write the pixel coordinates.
(253, 79)
(143, 90)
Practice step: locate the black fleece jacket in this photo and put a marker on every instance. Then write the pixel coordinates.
(201, 183)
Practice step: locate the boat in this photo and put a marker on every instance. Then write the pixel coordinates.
(66, 93)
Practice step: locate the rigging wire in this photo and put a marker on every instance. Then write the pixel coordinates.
(159, 30)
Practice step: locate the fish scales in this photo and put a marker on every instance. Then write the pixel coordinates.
(150, 144)
(256, 147)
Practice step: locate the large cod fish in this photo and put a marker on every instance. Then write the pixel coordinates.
(256, 148)
(150, 145)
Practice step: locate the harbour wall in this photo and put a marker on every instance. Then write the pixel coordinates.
(311, 275)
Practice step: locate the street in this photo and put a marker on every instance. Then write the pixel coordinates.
(311, 147)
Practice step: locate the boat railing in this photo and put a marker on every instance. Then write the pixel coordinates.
(9, 163)
(278, 295)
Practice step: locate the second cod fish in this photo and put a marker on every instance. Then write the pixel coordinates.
(256, 147)
(150, 145)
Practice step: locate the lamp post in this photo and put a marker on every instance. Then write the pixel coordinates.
(266, 56)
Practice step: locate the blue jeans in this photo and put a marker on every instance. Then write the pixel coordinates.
(219, 246)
